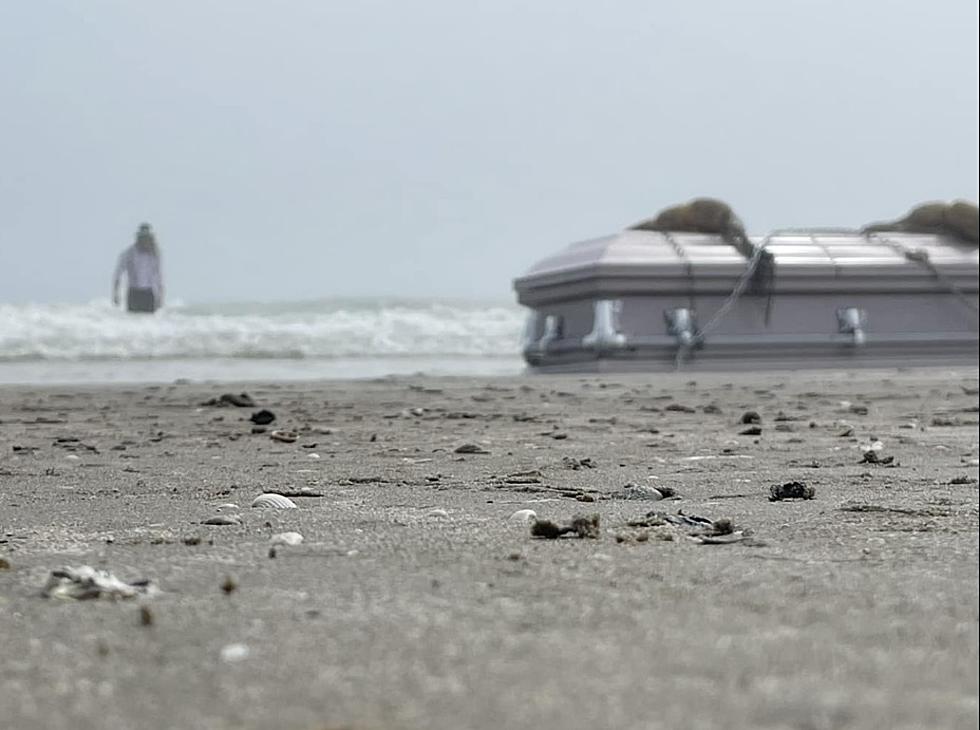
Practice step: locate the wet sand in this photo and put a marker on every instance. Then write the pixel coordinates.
(414, 602)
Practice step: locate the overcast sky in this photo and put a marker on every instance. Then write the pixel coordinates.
(306, 148)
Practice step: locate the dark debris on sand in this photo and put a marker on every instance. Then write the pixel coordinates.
(871, 457)
(700, 529)
(570, 463)
(239, 400)
(580, 527)
(262, 418)
(750, 417)
(470, 449)
(791, 490)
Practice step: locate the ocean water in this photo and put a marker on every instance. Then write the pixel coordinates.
(332, 338)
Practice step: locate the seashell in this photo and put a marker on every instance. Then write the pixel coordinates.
(439, 513)
(287, 538)
(234, 652)
(71, 457)
(275, 501)
(524, 516)
(85, 582)
(223, 520)
(313, 456)
(876, 445)
(286, 437)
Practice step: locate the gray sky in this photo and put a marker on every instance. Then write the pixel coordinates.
(311, 149)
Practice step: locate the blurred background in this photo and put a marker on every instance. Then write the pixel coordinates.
(348, 189)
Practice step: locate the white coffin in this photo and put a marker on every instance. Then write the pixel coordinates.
(641, 300)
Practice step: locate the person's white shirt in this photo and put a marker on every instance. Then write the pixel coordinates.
(142, 269)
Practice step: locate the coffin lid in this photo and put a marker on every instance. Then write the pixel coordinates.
(823, 253)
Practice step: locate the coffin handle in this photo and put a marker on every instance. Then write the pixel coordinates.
(682, 325)
(605, 334)
(852, 321)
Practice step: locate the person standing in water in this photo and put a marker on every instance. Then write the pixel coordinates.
(141, 262)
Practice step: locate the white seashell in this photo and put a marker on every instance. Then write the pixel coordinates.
(71, 457)
(438, 512)
(524, 516)
(313, 456)
(227, 505)
(86, 582)
(234, 652)
(275, 501)
(287, 538)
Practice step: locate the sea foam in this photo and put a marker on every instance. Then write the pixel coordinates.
(326, 329)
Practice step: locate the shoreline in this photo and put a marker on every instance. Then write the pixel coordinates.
(164, 371)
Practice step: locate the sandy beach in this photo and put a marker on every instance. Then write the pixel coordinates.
(415, 599)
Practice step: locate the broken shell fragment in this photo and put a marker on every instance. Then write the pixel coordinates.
(638, 491)
(273, 501)
(291, 539)
(85, 582)
(524, 516)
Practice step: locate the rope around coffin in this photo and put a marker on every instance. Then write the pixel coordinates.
(744, 280)
(921, 257)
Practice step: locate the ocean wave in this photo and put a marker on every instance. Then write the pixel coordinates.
(297, 330)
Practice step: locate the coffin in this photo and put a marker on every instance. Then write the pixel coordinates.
(649, 301)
